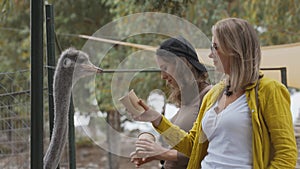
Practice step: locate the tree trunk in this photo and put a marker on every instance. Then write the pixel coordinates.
(113, 138)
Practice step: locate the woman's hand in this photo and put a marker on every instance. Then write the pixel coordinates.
(150, 149)
(149, 115)
(138, 161)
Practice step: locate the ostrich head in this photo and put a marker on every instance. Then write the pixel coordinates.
(76, 64)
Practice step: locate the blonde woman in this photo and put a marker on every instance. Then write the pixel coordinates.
(244, 121)
(187, 79)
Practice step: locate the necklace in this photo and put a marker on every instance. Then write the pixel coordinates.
(227, 92)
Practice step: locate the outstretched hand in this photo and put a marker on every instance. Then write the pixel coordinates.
(138, 161)
(150, 149)
(149, 115)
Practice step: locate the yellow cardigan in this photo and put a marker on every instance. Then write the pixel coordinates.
(273, 140)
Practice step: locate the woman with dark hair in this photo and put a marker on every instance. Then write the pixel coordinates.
(188, 82)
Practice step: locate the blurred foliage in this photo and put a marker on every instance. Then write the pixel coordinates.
(5, 6)
(84, 142)
(14, 35)
(70, 20)
(276, 21)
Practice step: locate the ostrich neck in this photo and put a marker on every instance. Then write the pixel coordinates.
(62, 93)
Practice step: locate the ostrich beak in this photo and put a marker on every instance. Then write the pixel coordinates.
(91, 68)
(99, 70)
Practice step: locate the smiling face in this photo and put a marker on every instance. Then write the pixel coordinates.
(221, 60)
(167, 71)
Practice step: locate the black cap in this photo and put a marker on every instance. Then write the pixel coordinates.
(181, 48)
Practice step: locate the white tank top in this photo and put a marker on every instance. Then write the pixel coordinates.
(230, 136)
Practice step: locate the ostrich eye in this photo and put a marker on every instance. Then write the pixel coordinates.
(67, 62)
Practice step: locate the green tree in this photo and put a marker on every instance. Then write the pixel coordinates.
(277, 22)
(14, 36)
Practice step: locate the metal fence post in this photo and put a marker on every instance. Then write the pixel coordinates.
(72, 147)
(283, 76)
(36, 36)
(50, 62)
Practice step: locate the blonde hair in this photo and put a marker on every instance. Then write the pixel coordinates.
(200, 78)
(238, 40)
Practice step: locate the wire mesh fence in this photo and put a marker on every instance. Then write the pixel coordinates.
(15, 119)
